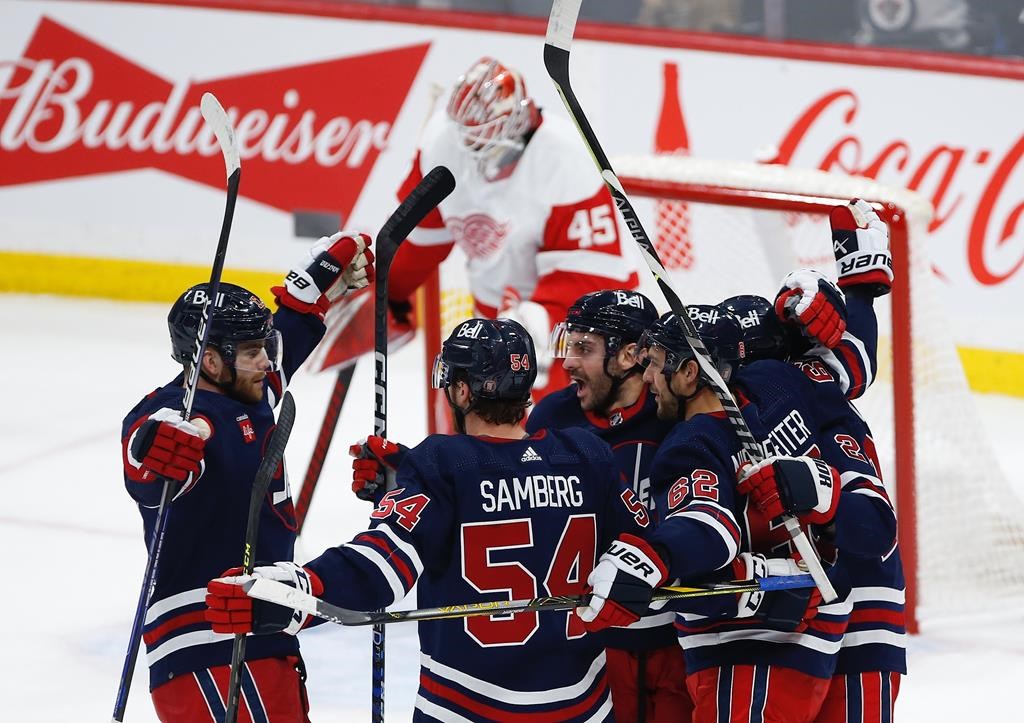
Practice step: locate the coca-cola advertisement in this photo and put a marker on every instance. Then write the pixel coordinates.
(103, 153)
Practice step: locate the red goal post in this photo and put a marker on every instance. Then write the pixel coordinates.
(729, 227)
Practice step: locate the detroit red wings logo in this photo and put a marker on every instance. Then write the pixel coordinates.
(478, 235)
(308, 134)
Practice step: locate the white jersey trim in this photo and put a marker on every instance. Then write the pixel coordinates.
(867, 637)
(431, 236)
(178, 600)
(188, 640)
(381, 563)
(516, 697)
(701, 640)
(593, 263)
(653, 621)
(878, 594)
(435, 711)
(402, 545)
(705, 519)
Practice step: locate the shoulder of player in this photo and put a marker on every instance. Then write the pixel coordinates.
(697, 441)
(558, 409)
(558, 163)
(439, 142)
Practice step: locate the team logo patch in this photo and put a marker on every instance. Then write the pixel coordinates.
(478, 234)
(245, 424)
(616, 419)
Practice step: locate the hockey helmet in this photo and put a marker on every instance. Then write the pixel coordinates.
(619, 316)
(497, 355)
(238, 316)
(492, 113)
(763, 333)
(718, 329)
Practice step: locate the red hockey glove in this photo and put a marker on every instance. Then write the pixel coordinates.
(331, 268)
(810, 300)
(622, 584)
(860, 242)
(373, 469)
(803, 486)
(230, 610)
(168, 446)
(791, 609)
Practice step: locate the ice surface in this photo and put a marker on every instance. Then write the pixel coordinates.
(73, 544)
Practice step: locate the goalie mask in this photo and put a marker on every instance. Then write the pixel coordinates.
(492, 113)
(241, 328)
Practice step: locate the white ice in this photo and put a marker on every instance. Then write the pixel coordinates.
(73, 544)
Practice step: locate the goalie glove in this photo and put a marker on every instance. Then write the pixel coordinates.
(815, 304)
(332, 267)
(622, 584)
(230, 610)
(860, 242)
(536, 320)
(803, 486)
(373, 469)
(790, 609)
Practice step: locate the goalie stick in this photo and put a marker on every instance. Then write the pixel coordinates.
(264, 475)
(218, 120)
(281, 594)
(434, 188)
(561, 27)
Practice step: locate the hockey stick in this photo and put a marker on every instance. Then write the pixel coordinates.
(264, 474)
(561, 26)
(423, 199)
(281, 594)
(323, 443)
(215, 116)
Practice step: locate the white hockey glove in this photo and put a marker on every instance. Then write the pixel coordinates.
(792, 609)
(332, 267)
(622, 584)
(536, 321)
(860, 242)
(811, 301)
(230, 610)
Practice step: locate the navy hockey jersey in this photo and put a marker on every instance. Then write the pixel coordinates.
(206, 524)
(476, 519)
(633, 433)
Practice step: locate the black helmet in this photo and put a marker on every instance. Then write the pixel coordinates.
(239, 316)
(497, 355)
(620, 316)
(764, 335)
(717, 328)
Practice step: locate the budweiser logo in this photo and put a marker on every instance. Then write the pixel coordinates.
(309, 134)
(984, 183)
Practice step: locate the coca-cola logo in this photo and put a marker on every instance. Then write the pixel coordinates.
(477, 234)
(308, 135)
(995, 237)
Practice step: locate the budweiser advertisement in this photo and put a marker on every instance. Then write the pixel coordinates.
(103, 153)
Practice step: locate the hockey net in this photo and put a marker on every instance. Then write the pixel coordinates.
(725, 228)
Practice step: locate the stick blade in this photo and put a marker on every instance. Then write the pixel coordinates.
(214, 114)
(436, 186)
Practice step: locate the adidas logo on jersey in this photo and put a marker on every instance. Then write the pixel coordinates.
(530, 456)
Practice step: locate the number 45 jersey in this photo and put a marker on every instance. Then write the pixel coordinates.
(477, 519)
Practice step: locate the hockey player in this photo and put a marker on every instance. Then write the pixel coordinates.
(250, 356)
(536, 224)
(873, 656)
(780, 659)
(487, 514)
(608, 397)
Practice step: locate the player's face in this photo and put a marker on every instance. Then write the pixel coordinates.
(584, 361)
(668, 404)
(251, 365)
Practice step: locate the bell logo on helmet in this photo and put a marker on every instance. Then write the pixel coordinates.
(626, 298)
(708, 317)
(470, 330)
(748, 320)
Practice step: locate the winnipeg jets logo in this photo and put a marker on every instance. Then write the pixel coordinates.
(478, 235)
(615, 419)
(530, 456)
